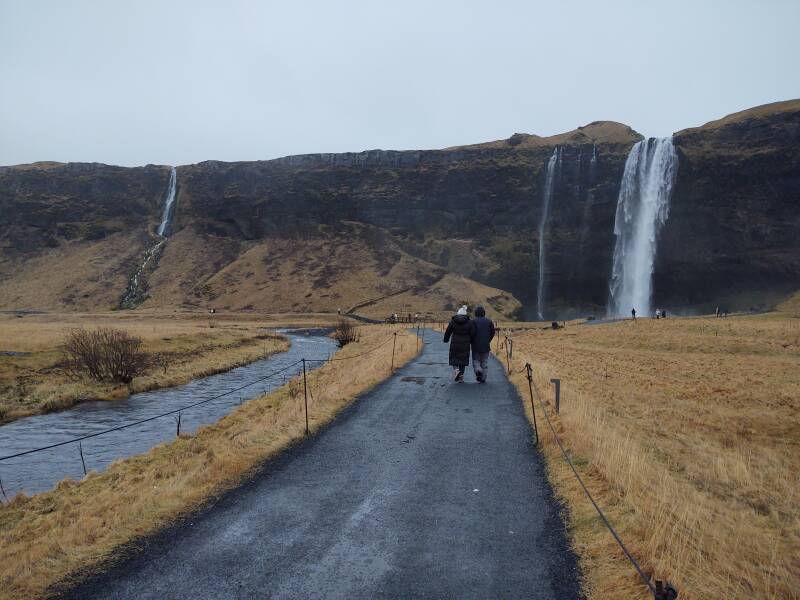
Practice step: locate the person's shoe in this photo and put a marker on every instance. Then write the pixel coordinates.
(456, 375)
(459, 377)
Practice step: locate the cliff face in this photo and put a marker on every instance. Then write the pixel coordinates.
(732, 233)
(45, 204)
(472, 211)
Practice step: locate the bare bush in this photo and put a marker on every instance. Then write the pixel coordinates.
(345, 333)
(163, 361)
(105, 354)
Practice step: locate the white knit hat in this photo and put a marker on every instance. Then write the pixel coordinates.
(462, 310)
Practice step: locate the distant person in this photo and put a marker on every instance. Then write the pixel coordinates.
(663, 313)
(482, 334)
(658, 313)
(716, 312)
(460, 329)
(633, 313)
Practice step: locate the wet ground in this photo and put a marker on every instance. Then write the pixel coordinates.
(423, 488)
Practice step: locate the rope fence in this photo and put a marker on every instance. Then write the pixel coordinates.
(659, 589)
(177, 411)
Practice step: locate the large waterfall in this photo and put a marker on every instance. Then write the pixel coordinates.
(642, 208)
(169, 203)
(553, 166)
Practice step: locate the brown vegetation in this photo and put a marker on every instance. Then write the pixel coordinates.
(687, 431)
(34, 377)
(105, 354)
(57, 534)
(346, 332)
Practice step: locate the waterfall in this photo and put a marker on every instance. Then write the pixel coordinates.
(553, 166)
(136, 291)
(642, 208)
(169, 203)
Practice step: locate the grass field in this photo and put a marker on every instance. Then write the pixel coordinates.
(195, 343)
(688, 432)
(52, 536)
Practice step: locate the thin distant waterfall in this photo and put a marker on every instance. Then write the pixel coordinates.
(166, 218)
(553, 166)
(136, 291)
(642, 208)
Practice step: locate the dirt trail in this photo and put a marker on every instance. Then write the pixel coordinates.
(422, 488)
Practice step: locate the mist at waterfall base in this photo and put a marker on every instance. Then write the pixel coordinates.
(642, 209)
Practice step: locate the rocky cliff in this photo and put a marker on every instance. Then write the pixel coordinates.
(383, 224)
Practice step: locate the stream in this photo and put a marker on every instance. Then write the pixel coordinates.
(41, 471)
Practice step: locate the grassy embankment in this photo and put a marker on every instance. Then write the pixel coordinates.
(195, 344)
(53, 536)
(687, 432)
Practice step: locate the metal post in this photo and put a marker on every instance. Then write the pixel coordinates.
(529, 368)
(305, 393)
(558, 393)
(178, 425)
(393, 346)
(83, 462)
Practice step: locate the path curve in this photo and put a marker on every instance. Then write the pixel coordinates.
(422, 488)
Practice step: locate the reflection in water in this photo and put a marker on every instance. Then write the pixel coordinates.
(42, 470)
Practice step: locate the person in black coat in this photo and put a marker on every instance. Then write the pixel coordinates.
(460, 330)
(482, 335)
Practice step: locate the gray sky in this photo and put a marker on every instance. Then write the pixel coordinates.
(139, 82)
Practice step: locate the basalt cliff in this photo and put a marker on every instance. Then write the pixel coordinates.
(417, 231)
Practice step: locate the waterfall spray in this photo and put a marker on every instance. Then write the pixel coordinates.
(642, 209)
(553, 166)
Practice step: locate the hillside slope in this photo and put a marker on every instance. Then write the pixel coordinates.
(328, 231)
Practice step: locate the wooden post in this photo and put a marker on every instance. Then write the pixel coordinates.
(305, 393)
(83, 462)
(529, 368)
(557, 383)
(394, 343)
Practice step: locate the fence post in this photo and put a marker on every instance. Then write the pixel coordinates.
(2, 489)
(394, 343)
(83, 462)
(557, 382)
(529, 369)
(305, 393)
(508, 355)
(178, 423)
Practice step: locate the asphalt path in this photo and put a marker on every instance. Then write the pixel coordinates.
(422, 488)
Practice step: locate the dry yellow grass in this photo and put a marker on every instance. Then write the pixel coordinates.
(196, 344)
(53, 536)
(687, 431)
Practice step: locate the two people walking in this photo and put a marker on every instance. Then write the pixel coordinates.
(470, 336)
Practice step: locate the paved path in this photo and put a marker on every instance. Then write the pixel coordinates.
(421, 489)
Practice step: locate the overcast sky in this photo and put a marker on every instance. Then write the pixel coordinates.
(139, 82)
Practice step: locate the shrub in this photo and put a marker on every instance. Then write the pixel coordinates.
(345, 333)
(105, 354)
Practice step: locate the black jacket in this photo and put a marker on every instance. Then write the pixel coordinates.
(482, 334)
(460, 329)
